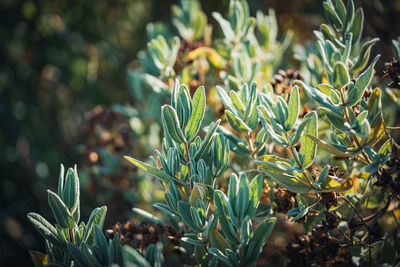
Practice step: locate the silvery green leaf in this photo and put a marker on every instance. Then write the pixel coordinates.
(293, 108)
(199, 106)
(154, 171)
(340, 10)
(175, 94)
(96, 218)
(294, 139)
(236, 123)
(71, 190)
(386, 148)
(243, 197)
(184, 212)
(196, 218)
(257, 241)
(365, 78)
(256, 186)
(325, 60)
(77, 255)
(356, 27)
(218, 241)
(206, 143)
(221, 208)
(184, 106)
(372, 167)
(371, 153)
(265, 120)
(147, 215)
(300, 215)
(225, 25)
(283, 111)
(322, 176)
(341, 76)
(301, 203)
(318, 96)
(332, 15)
(330, 148)
(336, 120)
(100, 242)
(233, 189)
(329, 34)
(364, 55)
(168, 211)
(194, 242)
(60, 210)
(349, 15)
(246, 230)
(132, 256)
(347, 50)
(308, 147)
(225, 99)
(45, 229)
(237, 103)
(220, 256)
(61, 182)
(172, 123)
(288, 181)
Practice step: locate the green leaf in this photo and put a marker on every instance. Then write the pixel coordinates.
(336, 120)
(365, 78)
(71, 190)
(236, 123)
(357, 90)
(256, 186)
(356, 27)
(243, 197)
(286, 180)
(294, 109)
(257, 241)
(131, 255)
(341, 76)
(221, 207)
(199, 105)
(225, 99)
(100, 242)
(61, 182)
(318, 96)
(308, 147)
(194, 242)
(221, 256)
(218, 241)
(386, 148)
(300, 215)
(77, 255)
(237, 103)
(298, 133)
(96, 218)
(61, 213)
(265, 120)
(206, 143)
(184, 212)
(364, 55)
(322, 176)
(154, 171)
(45, 229)
(330, 148)
(170, 117)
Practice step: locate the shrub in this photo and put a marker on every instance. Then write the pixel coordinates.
(314, 146)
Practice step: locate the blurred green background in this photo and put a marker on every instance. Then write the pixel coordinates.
(63, 66)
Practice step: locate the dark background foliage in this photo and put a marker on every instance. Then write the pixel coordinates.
(60, 59)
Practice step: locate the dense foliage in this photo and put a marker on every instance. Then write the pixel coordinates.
(253, 143)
